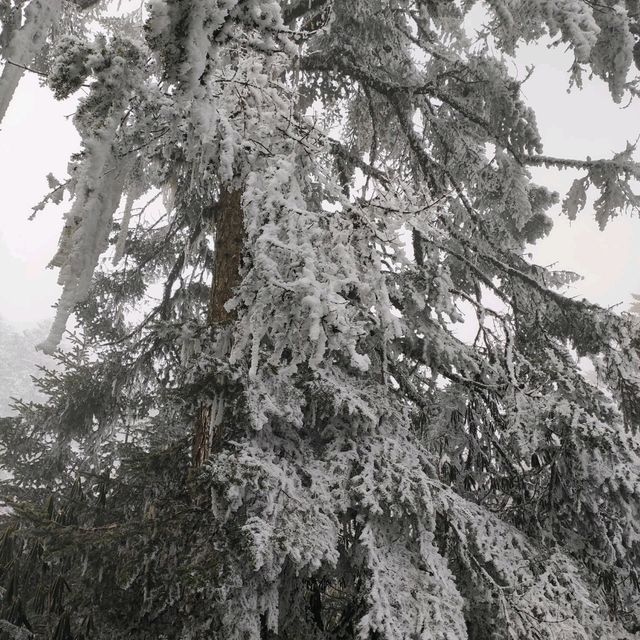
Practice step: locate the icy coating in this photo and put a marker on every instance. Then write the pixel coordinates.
(425, 487)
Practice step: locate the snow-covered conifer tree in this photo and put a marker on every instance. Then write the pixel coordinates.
(266, 427)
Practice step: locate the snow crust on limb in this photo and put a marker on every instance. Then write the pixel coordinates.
(24, 44)
(412, 590)
(599, 36)
(101, 176)
(375, 476)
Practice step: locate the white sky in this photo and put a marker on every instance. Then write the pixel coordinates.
(37, 138)
(578, 124)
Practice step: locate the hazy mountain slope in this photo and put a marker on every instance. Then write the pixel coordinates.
(19, 361)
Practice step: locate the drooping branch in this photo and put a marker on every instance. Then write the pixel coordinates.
(588, 163)
(24, 45)
(84, 4)
(300, 8)
(339, 62)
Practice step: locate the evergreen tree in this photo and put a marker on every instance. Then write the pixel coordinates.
(266, 427)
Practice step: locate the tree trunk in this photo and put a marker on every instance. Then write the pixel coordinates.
(229, 242)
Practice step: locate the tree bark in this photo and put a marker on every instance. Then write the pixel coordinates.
(228, 256)
(229, 242)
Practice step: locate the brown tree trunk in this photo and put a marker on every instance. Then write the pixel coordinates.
(228, 255)
(229, 242)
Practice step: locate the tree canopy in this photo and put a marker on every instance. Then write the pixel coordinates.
(267, 426)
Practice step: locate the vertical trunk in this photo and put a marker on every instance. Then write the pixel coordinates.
(228, 255)
(229, 241)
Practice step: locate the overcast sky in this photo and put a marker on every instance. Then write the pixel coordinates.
(579, 124)
(37, 138)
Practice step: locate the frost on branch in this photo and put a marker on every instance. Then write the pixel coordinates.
(598, 34)
(103, 170)
(612, 178)
(86, 231)
(377, 474)
(24, 43)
